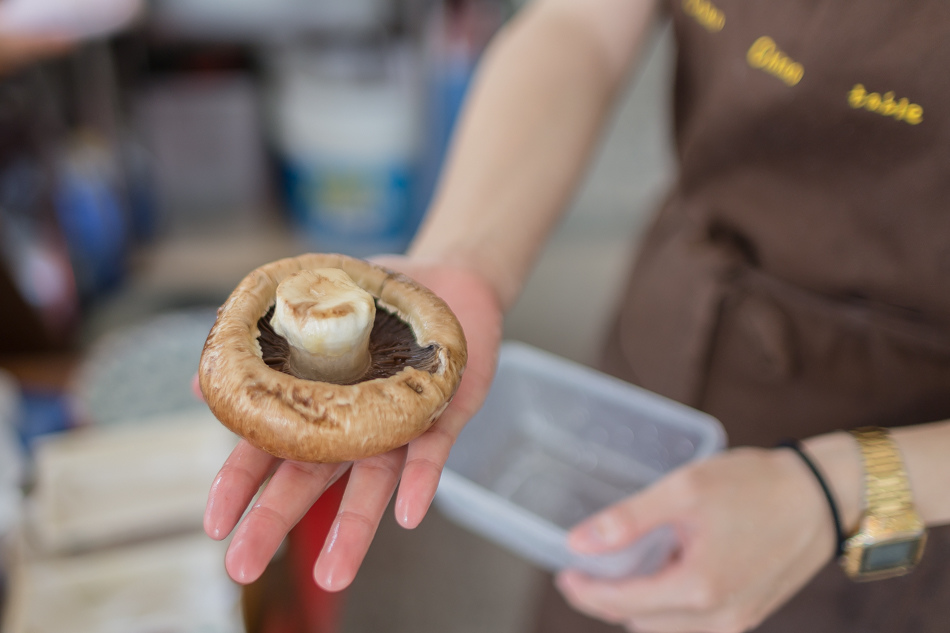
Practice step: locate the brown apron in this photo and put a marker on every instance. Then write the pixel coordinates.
(795, 282)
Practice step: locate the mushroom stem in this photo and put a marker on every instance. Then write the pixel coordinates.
(327, 319)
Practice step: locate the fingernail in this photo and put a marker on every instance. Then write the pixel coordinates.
(326, 569)
(327, 575)
(600, 532)
(402, 512)
(321, 575)
(406, 514)
(237, 571)
(563, 581)
(211, 525)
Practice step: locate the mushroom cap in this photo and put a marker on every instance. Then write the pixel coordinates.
(314, 421)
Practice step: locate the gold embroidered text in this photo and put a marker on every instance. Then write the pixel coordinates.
(765, 55)
(885, 105)
(706, 13)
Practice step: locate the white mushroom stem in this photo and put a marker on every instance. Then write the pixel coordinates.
(327, 319)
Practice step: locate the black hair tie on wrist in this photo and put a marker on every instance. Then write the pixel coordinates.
(796, 446)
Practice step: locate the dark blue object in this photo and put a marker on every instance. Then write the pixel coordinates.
(42, 412)
(94, 227)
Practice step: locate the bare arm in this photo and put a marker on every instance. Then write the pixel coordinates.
(532, 119)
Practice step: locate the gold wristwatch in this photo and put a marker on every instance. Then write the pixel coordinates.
(891, 537)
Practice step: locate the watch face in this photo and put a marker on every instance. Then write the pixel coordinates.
(889, 555)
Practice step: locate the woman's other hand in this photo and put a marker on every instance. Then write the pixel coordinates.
(753, 527)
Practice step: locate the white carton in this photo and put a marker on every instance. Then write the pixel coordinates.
(556, 442)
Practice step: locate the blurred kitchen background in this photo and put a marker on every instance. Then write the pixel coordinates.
(151, 154)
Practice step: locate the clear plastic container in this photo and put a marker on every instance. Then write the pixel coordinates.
(555, 443)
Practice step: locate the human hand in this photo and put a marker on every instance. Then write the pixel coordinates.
(17, 51)
(34, 30)
(753, 527)
(294, 486)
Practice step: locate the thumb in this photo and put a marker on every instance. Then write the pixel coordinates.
(624, 522)
(196, 388)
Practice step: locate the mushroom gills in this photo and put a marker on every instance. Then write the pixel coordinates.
(392, 348)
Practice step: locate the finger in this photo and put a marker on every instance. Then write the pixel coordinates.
(234, 487)
(676, 623)
(293, 488)
(669, 591)
(429, 452)
(196, 387)
(371, 486)
(427, 455)
(16, 51)
(662, 503)
(608, 601)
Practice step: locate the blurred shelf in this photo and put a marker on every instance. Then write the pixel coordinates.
(209, 264)
(45, 371)
(187, 271)
(230, 20)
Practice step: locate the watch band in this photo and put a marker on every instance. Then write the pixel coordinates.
(886, 486)
(891, 538)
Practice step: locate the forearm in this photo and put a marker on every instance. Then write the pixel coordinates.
(925, 449)
(531, 122)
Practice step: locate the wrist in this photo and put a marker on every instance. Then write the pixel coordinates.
(924, 448)
(805, 493)
(838, 458)
(492, 277)
(477, 286)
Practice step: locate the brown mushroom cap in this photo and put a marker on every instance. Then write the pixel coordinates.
(314, 421)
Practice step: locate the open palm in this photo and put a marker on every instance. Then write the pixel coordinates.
(293, 487)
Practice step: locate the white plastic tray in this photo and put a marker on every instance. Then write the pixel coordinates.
(555, 443)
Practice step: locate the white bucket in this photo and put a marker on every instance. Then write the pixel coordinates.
(345, 123)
